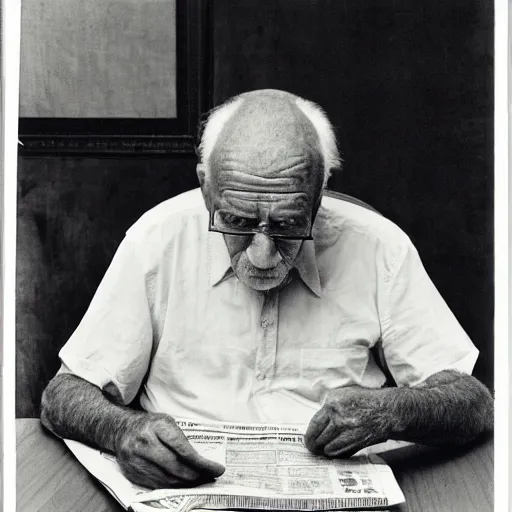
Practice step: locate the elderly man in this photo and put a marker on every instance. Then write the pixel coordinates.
(263, 307)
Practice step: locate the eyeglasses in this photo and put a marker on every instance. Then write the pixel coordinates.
(230, 224)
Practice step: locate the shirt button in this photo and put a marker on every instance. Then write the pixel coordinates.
(264, 324)
(260, 376)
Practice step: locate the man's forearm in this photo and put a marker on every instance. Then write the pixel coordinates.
(76, 409)
(449, 408)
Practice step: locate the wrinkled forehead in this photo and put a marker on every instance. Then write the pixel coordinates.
(269, 136)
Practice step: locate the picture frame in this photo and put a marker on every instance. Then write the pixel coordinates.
(114, 136)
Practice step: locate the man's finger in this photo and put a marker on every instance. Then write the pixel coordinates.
(167, 460)
(326, 436)
(315, 428)
(143, 472)
(345, 446)
(177, 442)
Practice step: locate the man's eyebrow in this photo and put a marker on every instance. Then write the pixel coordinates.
(289, 214)
(249, 207)
(234, 205)
(236, 210)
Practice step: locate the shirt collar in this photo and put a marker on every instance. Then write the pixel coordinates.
(219, 260)
(305, 263)
(220, 263)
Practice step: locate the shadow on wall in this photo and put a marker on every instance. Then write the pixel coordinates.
(72, 215)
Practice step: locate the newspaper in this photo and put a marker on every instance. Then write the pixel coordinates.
(267, 468)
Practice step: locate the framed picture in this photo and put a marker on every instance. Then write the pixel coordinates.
(113, 77)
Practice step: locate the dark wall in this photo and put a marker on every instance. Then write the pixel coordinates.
(72, 215)
(408, 86)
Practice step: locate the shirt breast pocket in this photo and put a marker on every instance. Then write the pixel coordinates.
(333, 367)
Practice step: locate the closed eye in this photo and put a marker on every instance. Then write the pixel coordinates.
(289, 224)
(237, 221)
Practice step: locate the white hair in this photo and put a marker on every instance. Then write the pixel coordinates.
(325, 132)
(220, 116)
(214, 124)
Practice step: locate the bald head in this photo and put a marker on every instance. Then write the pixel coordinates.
(272, 120)
(265, 169)
(266, 131)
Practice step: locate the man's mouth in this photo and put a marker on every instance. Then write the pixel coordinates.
(263, 276)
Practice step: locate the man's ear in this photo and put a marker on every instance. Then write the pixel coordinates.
(201, 176)
(334, 171)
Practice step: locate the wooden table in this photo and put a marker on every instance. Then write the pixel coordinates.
(50, 479)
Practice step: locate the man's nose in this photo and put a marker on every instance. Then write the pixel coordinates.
(262, 252)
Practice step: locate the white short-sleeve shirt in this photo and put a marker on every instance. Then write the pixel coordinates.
(171, 318)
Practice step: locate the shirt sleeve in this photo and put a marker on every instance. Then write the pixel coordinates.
(113, 342)
(420, 335)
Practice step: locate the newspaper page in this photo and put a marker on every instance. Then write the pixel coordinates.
(268, 467)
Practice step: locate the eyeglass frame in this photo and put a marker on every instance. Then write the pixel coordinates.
(261, 229)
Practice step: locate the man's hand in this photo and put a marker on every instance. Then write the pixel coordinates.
(352, 418)
(153, 452)
(449, 408)
(151, 449)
